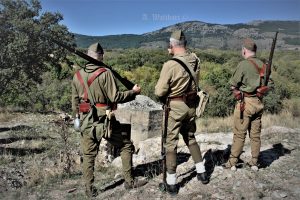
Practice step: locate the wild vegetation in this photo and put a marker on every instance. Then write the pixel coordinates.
(36, 74)
(39, 155)
(142, 66)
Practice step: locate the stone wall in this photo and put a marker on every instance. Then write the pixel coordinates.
(145, 117)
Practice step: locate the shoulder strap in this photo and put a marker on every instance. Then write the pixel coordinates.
(79, 77)
(89, 82)
(255, 65)
(186, 69)
(95, 75)
(261, 70)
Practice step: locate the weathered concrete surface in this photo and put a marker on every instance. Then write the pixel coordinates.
(144, 115)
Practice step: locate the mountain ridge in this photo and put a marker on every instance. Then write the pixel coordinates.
(204, 35)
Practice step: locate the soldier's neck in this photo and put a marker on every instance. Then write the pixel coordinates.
(178, 51)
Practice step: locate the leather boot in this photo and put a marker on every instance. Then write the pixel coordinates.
(228, 165)
(172, 189)
(203, 177)
(135, 184)
(91, 191)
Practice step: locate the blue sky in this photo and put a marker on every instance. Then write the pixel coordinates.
(111, 17)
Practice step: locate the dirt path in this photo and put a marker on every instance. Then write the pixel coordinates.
(278, 178)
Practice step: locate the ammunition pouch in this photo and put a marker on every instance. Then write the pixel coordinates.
(190, 98)
(194, 99)
(109, 122)
(84, 107)
(262, 91)
(237, 94)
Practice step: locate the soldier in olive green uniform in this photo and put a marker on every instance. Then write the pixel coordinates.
(246, 79)
(104, 92)
(175, 85)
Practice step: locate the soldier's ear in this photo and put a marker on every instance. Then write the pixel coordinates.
(243, 51)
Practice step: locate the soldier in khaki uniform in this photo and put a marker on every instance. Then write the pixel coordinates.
(104, 92)
(176, 89)
(246, 79)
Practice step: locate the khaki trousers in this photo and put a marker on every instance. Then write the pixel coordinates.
(90, 141)
(181, 120)
(251, 123)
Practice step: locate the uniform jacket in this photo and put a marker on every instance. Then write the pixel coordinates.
(174, 80)
(103, 89)
(246, 77)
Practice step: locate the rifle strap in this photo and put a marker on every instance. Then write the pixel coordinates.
(85, 94)
(255, 65)
(89, 82)
(95, 75)
(187, 70)
(259, 70)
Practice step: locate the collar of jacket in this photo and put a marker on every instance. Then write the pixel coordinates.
(254, 56)
(89, 68)
(180, 55)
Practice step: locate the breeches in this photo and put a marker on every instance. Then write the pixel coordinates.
(181, 120)
(252, 123)
(90, 141)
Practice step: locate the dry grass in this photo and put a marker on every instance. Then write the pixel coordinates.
(6, 116)
(285, 119)
(288, 117)
(214, 124)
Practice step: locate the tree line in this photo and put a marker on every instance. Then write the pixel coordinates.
(36, 74)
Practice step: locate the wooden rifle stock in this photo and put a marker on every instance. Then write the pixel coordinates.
(269, 62)
(164, 139)
(128, 84)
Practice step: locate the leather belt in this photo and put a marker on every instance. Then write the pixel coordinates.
(178, 98)
(183, 97)
(113, 106)
(246, 94)
(100, 105)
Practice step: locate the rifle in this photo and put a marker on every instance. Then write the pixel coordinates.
(267, 72)
(128, 84)
(163, 185)
(242, 106)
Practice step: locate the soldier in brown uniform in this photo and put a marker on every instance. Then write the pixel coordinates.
(97, 86)
(178, 90)
(246, 79)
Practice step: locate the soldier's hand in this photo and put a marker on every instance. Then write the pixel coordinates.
(136, 89)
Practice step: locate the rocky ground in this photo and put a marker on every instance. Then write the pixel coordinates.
(33, 165)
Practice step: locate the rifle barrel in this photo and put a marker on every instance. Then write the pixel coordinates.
(272, 48)
(128, 84)
(269, 63)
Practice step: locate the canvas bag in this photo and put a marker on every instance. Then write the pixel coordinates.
(203, 96)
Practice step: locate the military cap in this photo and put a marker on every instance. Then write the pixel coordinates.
(96, 48)
(249, 44)
(178, 35)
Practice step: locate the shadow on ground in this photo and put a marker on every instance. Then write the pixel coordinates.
(267, 157)
(148, 170)
(17, 138)
(20, 151)
(153, 169)
(212, 158)
(15, 128)
(216, 158)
